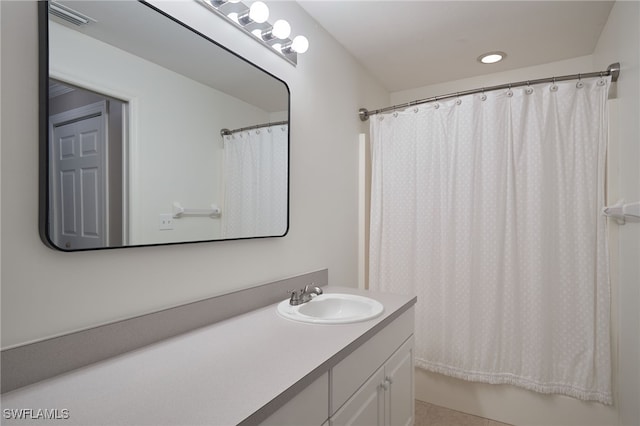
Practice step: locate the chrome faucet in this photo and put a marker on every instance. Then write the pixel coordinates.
(304, 295)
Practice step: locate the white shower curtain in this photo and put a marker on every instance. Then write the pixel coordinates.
(488, 208)
(256, 175)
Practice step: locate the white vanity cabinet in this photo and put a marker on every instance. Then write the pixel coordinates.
(374, 385)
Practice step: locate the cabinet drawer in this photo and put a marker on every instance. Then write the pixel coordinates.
(350, 373)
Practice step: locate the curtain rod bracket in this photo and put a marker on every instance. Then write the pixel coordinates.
(614, 71)
(364, 114)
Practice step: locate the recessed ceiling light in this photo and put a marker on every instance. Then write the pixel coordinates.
(491, 57)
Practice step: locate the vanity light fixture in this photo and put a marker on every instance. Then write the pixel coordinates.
(253, 21)
(491, 57)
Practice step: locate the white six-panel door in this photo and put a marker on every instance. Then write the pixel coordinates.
(79, 183)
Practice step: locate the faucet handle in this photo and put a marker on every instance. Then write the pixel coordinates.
(296, 296)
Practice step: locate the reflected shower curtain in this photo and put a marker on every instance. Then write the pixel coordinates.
(256, 175)
(487, 207)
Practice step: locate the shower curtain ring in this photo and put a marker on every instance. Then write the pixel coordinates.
(601, 82)
(529, 89)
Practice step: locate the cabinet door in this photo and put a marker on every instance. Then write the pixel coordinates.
(366, 406)
(398, 380)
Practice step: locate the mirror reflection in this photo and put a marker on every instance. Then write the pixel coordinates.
(137, 103)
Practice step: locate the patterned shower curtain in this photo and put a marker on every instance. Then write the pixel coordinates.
(256, 175)
(488, 208)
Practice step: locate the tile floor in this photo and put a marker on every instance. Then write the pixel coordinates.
(434, 415)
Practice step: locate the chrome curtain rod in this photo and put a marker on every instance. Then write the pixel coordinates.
(613, 70)
(227, 132)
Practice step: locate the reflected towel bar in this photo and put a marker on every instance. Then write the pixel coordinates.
(179, 211)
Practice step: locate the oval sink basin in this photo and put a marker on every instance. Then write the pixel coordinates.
(332, 308)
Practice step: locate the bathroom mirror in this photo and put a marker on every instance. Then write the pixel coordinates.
(132, 107)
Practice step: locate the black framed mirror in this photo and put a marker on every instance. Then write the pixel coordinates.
(151, 133)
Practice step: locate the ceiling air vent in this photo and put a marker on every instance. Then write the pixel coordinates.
(68, 14)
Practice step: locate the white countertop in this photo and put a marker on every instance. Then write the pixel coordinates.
(221, 374)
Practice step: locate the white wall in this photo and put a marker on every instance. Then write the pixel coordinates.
(176, 151)
(45, 292)
(620, 42)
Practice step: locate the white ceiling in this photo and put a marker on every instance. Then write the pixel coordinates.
(410, 44)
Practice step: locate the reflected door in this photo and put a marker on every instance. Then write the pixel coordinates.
(79, 183)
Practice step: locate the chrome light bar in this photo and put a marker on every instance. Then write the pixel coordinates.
(253, 22)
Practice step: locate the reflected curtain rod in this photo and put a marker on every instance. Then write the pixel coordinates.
(613, 70)
(227, 132)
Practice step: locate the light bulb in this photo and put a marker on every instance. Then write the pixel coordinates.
(281, 29)
(300, 44)
(277, 46)
(259, 12)
(257, 32)
(492, 57)
(234, 1)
